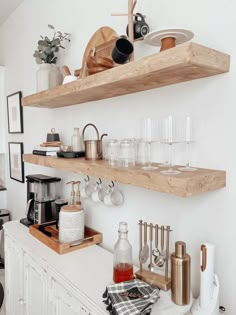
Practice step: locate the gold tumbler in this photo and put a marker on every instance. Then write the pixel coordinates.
(180, 275)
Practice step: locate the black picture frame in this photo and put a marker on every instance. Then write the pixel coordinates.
(15, 113)
(16, 164)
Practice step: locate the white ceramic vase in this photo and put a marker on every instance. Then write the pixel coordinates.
(77, 141)
(48, 76)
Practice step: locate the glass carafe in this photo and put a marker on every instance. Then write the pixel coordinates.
(123, 264)
(76, 141)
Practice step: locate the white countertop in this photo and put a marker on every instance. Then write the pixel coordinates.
(89, 270)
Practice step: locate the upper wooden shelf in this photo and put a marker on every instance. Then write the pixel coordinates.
(185, 184)
(183, 63)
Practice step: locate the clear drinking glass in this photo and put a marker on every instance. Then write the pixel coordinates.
(127, 153)
(141, 154)
(169, 138)
(148, 135)
(188, 140)
(112, 148)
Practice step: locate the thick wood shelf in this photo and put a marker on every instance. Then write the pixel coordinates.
(183, 63)
(185, 184)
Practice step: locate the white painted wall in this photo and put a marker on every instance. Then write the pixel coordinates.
(211, 102)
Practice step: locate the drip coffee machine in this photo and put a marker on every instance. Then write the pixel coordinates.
(42, 191)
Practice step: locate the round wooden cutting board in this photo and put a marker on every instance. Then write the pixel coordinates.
(103, 41)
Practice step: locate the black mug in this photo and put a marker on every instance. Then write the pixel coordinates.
(122, 50)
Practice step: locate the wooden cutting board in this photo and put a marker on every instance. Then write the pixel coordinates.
(103, 41)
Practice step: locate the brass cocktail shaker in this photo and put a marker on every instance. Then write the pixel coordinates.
(180, 275)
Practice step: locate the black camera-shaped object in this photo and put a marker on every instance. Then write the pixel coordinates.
(141, 28)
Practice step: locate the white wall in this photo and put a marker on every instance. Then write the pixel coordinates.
(211, 102)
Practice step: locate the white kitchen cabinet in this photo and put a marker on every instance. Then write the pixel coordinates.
(35, 287)
(26, 285)
(41, 282)
(62, 300)
(13, 278)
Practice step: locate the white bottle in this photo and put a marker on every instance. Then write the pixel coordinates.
(76, 141)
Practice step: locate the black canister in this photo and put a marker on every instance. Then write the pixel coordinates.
(59, 203)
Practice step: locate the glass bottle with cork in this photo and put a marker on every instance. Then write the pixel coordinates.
(123, 264)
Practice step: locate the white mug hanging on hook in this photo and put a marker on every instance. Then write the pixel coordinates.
(100, 192)
(114, 196)
(83, 192)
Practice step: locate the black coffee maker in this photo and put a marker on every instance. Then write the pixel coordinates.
(42, 191)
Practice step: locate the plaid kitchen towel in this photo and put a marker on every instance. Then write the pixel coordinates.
(133, 297)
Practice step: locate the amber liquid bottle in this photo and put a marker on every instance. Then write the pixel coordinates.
(123, 265)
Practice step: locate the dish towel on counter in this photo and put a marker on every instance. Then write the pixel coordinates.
(131, 297)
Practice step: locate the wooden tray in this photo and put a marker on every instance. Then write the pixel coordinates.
(63, 248)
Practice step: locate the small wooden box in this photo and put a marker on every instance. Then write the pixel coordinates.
(63, 248)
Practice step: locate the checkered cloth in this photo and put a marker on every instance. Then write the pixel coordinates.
(133, 297)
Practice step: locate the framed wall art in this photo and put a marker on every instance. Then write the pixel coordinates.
(16, 163)
(15, 113)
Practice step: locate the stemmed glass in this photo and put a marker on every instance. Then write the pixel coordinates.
(148, 135)
(168, 135)
(188, 140)
(164, 136)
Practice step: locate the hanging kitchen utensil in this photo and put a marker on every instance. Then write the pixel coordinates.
(145, 251)
(93, 148)
(140, 241)
(160, 260)
(156, 251)
(167, 251)
(150, 266)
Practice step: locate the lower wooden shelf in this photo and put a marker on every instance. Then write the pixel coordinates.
(185, 184)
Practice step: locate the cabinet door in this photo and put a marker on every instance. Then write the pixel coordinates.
(85, 311)
(35, 287)
(62, 301)
(13, 278)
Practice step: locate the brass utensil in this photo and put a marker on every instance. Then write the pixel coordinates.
(145, 251)
(156, 251)
(160, 260)
(167, 251)
(150, 266)
(140, 241)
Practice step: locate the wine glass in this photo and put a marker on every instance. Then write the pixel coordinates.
(168, 137)
(148, 135)
(164, 135)
(188, 140)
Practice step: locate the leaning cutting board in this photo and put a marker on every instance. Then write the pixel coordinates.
(103, 41)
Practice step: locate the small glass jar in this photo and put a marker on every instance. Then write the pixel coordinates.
(127, 153)
(112, 152)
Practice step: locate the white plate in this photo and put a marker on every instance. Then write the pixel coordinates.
(181, 36)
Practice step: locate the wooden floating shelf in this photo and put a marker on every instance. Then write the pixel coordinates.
(185, 184)
(183, 63)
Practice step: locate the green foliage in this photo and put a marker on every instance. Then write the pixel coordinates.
(48, 48)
